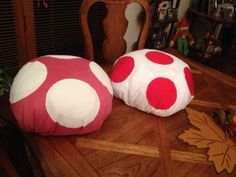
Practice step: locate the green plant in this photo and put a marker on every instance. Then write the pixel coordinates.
(5, 82)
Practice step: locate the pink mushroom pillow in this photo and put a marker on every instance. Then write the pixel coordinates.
(61, 95)
(152, 81)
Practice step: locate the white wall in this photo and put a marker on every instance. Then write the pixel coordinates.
(132, 15)
(183, 6)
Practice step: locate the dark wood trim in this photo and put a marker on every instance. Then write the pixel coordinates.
(25, 30)
(20, 26)
(231, 21)
(30, 29)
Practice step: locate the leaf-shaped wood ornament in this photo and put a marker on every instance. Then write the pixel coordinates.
(222, 150)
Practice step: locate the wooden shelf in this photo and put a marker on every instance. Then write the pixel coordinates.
(214, 18)
(223, 30)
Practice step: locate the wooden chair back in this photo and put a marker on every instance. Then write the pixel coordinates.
(115, 25)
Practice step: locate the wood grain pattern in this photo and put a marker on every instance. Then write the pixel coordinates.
(132, 143)
(189, 157)
(211, 104)
(115, 25)
(63, 159)
(114, 47)
(118, 147)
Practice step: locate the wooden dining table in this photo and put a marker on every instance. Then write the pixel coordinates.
(132, 143)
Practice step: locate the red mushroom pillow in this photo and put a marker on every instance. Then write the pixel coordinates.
(153, 81)
(61, 95)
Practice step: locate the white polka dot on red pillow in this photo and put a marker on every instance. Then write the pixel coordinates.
(153, 81)
(61, 95)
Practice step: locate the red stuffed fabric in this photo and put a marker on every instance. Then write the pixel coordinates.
(61, 95)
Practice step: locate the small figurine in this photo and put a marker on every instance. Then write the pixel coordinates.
(158, 40)
(226, 119)
(212, 46)
(225, 10)
(182, 38)
(162, 10)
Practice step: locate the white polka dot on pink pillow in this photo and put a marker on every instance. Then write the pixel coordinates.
(61, 95)
(153, 81)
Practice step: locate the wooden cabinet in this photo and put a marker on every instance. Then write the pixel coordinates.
(214, 38)
(164, 17)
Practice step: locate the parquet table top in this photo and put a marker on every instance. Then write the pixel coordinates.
(132, 143)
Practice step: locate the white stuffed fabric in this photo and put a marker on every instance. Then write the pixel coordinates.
(153, 81)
